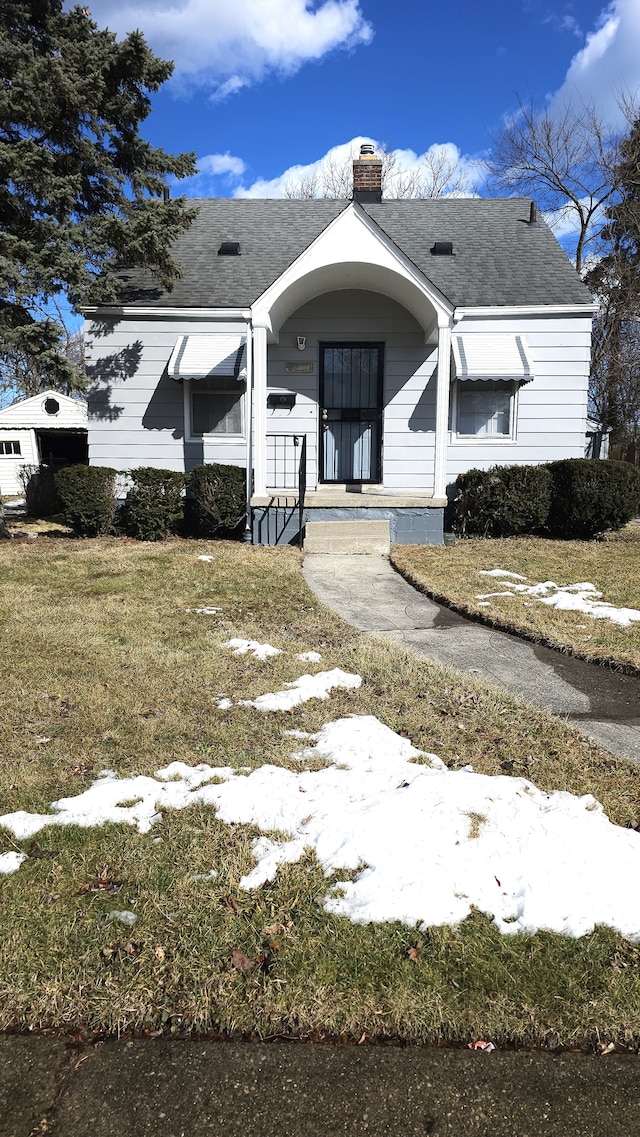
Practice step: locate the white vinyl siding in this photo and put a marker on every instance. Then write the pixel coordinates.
(551, 410)
(136, 410)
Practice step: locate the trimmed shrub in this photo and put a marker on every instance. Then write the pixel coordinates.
(154, 506)
(590, 496)
(216, 500)
(503, 501)
(41, 496)
(88, 498)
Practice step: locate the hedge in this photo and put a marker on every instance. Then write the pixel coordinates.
(216, 500)
(590, 496)
(41, 496)
(503, 501)
(154, 506)
(88, 498)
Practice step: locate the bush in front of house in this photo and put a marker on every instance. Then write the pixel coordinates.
(154, 505)
(88, 495)
(41, 496)
(591, 496)
(503, 501)
(216, 500)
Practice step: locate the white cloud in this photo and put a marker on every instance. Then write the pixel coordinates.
(608, 65)
(221, 164)
(217, 175)
(441, 167)
(226, 46)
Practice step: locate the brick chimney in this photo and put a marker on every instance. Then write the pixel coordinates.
(367, 175)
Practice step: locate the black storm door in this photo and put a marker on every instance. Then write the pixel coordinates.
(351, 411)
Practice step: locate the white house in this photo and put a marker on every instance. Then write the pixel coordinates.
(49, 428)
(396, 343)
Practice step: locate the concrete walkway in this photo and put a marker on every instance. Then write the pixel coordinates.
(368, 593)
(193, 1089)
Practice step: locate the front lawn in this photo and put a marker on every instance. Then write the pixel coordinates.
(108, 666)
(612, 566)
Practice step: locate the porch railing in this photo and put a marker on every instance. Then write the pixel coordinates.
(283, 461)
(287, 470)
(302, 487)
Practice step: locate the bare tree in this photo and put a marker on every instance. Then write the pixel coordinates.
(615, 278)
(439, 173)
(566, 159)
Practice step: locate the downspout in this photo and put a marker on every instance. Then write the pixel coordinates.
(247, 536)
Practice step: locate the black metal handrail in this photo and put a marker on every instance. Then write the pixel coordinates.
(302, 486)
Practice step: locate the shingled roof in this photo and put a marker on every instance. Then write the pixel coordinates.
(499, 259)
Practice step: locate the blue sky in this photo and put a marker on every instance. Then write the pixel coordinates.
(263, 85)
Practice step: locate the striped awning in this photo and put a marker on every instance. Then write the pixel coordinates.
(219, 354)
(482, 355)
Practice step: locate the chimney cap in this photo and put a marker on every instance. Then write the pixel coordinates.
(367, 150)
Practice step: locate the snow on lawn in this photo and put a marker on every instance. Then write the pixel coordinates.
(10, 862)
(583, 597)
(429, 843)
(252, 647)
(307, 687)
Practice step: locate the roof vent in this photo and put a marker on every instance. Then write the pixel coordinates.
(229, 249)
(533, 214)
(442, 249)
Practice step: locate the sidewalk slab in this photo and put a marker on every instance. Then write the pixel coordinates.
(180, 1089)
(369, 594)
(29, 1069)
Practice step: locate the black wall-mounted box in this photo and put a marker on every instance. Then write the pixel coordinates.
(281, 400)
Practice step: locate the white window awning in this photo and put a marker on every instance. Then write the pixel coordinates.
(480, 355)
(219, 354)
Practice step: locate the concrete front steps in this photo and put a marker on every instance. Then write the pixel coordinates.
(332, 537)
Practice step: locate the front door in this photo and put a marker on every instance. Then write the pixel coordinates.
(351, 411)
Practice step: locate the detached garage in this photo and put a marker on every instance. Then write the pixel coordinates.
(49, 428)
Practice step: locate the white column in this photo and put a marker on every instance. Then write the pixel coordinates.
(260, 411)
(442, 410)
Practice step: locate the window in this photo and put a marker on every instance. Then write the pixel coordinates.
(485, 409)
(10, 449)
(216, 406)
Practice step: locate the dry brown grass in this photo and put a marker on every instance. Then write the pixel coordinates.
(103, 660)
(612, 565)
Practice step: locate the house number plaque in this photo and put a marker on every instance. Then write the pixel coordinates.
(296, 368)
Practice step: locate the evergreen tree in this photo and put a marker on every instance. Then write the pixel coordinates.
(81, 193)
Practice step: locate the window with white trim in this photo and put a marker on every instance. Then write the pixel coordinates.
(217, 406)
(10, 448)
(485, 409)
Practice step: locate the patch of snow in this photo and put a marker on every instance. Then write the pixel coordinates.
(582, 597)
(204, 611)
(252, 647)
(125, 917)
(10, 862)
(224, 704)
(211, 875)
(203, 557)
(309, 656)
(538, 860)
(307, 687)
